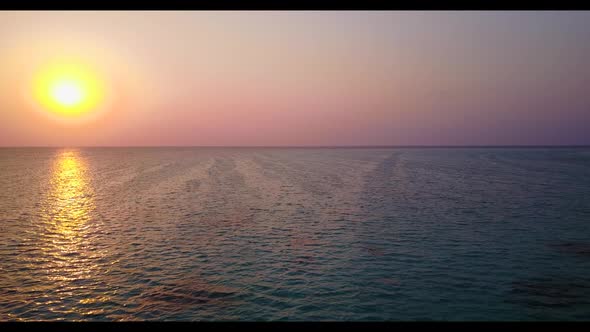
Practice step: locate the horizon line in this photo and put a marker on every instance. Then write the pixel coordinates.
(314, 146)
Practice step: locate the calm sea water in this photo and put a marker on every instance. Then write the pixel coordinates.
(295, 234)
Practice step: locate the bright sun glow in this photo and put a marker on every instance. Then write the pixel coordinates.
(67, 94)
(69, 90)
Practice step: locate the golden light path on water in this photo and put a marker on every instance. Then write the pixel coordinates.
(70, 257)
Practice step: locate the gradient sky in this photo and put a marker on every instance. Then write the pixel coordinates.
(308, 78)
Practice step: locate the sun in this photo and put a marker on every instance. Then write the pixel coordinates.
(67, 94)
(68, 89)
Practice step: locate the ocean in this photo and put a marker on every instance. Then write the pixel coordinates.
(298, 234)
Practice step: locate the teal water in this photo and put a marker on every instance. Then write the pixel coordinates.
(295, 234)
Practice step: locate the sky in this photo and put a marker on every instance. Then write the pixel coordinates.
(326, 78)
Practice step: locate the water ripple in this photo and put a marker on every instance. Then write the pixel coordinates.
(294, 234)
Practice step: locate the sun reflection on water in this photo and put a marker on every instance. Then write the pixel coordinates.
(71, 256)
(71, 198)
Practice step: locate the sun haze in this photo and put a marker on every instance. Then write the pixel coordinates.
(67, 90)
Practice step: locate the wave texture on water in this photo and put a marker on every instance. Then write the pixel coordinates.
(295, 234)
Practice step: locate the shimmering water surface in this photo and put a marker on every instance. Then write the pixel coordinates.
(294, 234)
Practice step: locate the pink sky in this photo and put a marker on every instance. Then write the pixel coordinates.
(307, 78)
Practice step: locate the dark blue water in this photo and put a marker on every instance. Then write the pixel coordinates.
(295, 234)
